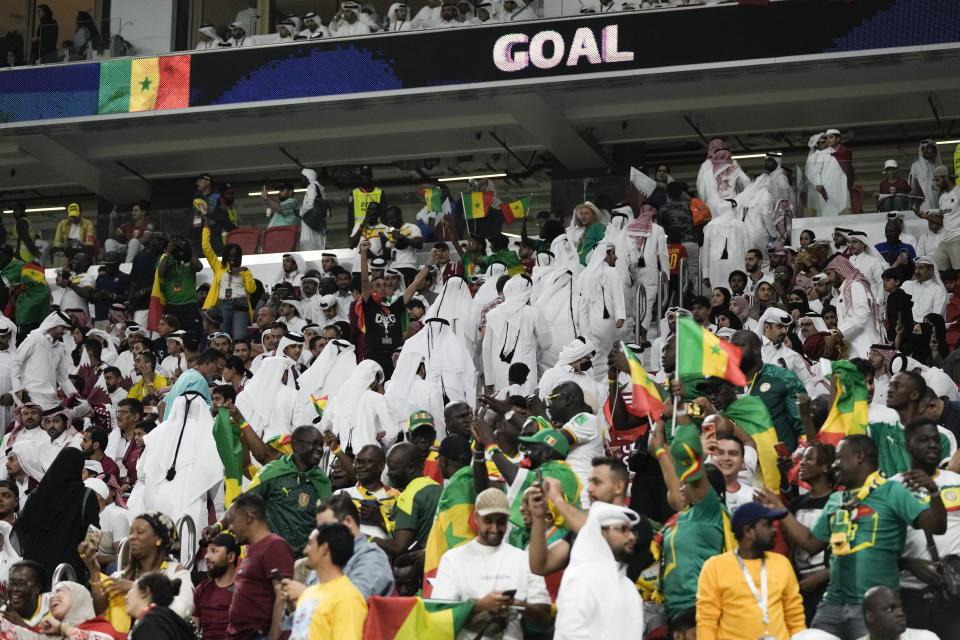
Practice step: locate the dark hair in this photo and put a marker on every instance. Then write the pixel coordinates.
(828, 307)
(675, 189)
(143, 204)
(716, 480)
(93, 345)
(39, 572)
(162, 589)
(755, 252)
(337, 270)
(146, 425)
(893, 273)
(702, 301)
(684, 620)
(339, 541)
(552, 229)
(732, 437)
(97, 435)
(133, 404)
(114, 370)
(314, 340)
(235, 363)
(863, 366)
(731, 317)
(518, 372)
(149, 355)
(210, 355)
(735, 272)
(865, 446)
(918, 382)
(617, 467)
(252, 504)
(171, 320)
(341, 505)
(414, 303)
(911, 427)
(226, 391)
(826, 454)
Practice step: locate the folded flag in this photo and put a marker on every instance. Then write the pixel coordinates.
(645, 397)
(750, 414)
(319, 404)
(433, 199)
(454, 525)
(699, 352)
(414, 618)
(158, 302)
(517, 209)
(640, 188)
(476, 204)
(227, 437)
(849, 413)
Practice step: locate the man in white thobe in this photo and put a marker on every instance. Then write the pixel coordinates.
(511, 336)
(572, 365)
(312, 27)
(772, 330)
(596, 599)
(928, 293)
(831, 182)
(921, 175)
(8, 349)
(858, 315)
(248, 18)
(428, 16)
(865, 258)
(643, 246)
(347, 22)
(42, 363)
(601, 308)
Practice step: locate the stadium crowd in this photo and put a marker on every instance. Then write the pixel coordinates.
(462, 437)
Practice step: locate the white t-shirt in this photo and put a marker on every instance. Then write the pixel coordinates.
(406, 257)
(116, 520)
(736, 498)
(471, 571)
(588, 434)
(915, 545)
(912, 634)
(950, 208)
(70, 299)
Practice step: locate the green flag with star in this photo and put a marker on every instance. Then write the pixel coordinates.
(455, 523)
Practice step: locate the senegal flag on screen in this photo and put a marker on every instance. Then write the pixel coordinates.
(144, 84)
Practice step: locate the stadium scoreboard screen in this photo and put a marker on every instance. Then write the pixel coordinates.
(517, 53)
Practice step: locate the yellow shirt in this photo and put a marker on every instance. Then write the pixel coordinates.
(727, 609)
(139, 390)
(332, 605)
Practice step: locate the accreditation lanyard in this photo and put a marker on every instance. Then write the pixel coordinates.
(763, 598)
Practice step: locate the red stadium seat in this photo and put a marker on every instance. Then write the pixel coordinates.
(280, 239)
(248, 238)
(856, 199)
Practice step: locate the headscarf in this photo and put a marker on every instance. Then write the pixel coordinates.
(487, 292)
(81, 607)
(164, 528)
(850, 274)
(345, 411)
(52, 522)
(744, 305)
(921, 173)
(17, 425)
(265, 385)
(639, 229)
(449, 365)
(557, 310)
(577, 348)
(301, 269)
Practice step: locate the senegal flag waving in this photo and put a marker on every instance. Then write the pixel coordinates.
(849, 413)
(644, 397)
(227, 437)
(751, 415)
(699, 352)
(454, 525)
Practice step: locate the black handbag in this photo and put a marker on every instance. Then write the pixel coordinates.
(316, 216)
(948, 568)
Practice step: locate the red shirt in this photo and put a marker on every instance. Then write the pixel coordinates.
(211, 604)
(109, 466)
(676, 252)
(897, 186)
(131, 231)
(252, 606)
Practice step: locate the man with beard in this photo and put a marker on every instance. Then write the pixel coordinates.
(211, 598)
(94, 446)
(780, 389)
(481, 569)
(772, 331)
(726, 603)
(753, 265)
(919, 578)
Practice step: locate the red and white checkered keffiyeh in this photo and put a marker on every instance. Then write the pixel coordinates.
(851, 274)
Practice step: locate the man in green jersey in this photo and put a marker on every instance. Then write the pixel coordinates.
(865, 526)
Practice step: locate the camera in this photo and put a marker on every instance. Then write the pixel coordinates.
(181, 249)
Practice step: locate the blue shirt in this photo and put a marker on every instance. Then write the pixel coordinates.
(368, 569)
(189, 380)
(890, 252)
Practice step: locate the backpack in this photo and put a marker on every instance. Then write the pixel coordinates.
(700, 211)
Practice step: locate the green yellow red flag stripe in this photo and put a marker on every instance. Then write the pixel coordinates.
(414, 618)
(476, 204)
(434, 200)
(517, 209)
(750, 414)
(645, 396)
(454, 524)
(849, 413)
(699, 352)
(144, 84)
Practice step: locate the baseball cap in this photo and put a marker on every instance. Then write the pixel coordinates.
(73, 209)
(750, 512)
(420, 419)
(98, 486)
(491, 501)
(890, 164)
(553, 438)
